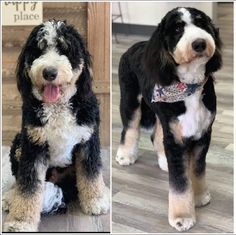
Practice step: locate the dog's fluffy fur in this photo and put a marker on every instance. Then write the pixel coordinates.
(182, 130)
(59, 139)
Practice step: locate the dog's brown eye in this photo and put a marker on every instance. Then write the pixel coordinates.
(62, 43)
(42, 44)
(179, 27)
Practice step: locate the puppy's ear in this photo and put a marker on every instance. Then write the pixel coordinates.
(84, 83)
(215, 62)
(28, 52)
(23, 81)
(158, 63)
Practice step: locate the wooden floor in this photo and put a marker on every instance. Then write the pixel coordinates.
(140, 191)
(74, 220)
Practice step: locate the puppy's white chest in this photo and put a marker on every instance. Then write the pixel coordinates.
(63, 133)
(197, 118)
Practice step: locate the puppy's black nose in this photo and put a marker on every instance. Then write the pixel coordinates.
(50, 73)
(199, 45)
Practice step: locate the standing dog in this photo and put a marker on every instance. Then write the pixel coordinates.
(60, 126)
(167, 83)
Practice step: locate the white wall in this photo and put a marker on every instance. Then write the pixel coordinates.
(151, 13)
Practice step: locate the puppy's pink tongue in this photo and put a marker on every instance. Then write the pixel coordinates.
(51, 93)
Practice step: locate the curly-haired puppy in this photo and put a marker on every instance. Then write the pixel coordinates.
(167, 83)
(60, 126)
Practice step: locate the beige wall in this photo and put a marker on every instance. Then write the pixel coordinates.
(150, 13)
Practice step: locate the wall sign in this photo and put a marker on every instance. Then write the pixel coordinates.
(22, 13)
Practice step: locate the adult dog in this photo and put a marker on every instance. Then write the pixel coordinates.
(60, 126)
(167, 83)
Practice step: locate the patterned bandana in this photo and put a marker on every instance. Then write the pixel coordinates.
(177, 91)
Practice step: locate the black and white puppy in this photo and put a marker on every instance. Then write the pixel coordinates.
(60, 126)
(184, 50)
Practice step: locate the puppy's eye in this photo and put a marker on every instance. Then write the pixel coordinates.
(179, 27)
(42, 44)
(62, 43)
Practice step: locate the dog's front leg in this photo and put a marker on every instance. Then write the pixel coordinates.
(198, 170)
(181, 197)
(94, 196)
(26, 204)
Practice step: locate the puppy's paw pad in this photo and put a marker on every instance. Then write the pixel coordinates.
(97, 205)
(182, 224)
(17, 226)
(202, 199)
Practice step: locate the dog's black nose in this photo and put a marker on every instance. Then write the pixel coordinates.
(199, 45)
(50, 73)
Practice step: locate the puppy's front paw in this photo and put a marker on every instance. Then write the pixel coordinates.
(7, 198)
(202, 199)
(96, 205)
(182, 224)
(19, 226)
(125, 157)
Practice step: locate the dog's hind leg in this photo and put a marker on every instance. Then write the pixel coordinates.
(130, 111)
(128, 149)
(26, 203)
(197, 170)
(94, 196)
(157, 140)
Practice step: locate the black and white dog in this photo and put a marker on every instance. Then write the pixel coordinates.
(60, 127)
(167, 83)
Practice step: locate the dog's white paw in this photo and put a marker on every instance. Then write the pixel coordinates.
(7, 198)
(126, 160)
(202, 199)
(19, 226)
(125, 157)
(182, 224)
(97, 205)
(5, 203)
(162, 162)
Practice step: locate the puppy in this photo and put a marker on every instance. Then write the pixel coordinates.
(167, 83)
(60, 125)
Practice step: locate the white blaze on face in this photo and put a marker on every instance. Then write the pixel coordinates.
(184, 52)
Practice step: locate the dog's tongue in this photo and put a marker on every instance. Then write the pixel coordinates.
(51, 93)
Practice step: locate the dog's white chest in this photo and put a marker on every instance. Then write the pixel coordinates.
(63, 133)
(197, 118)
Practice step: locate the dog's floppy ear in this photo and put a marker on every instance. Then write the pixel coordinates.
(84, 83)
(23, 81)
(158, 63)
(215, 62)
